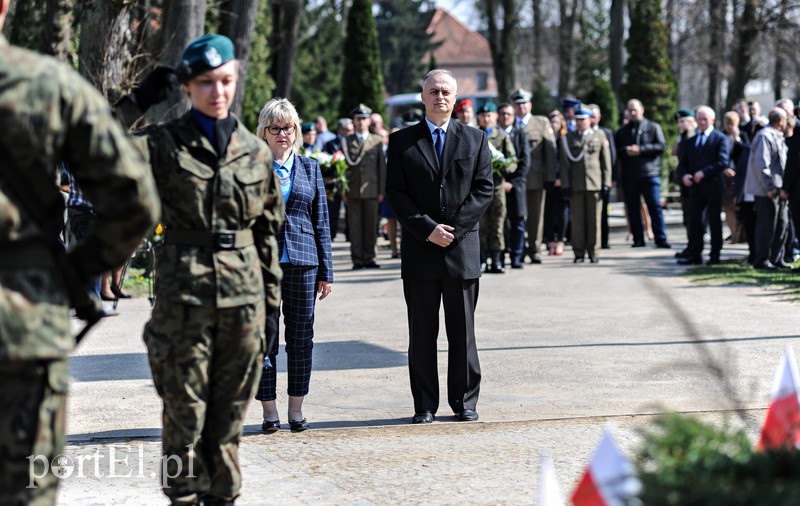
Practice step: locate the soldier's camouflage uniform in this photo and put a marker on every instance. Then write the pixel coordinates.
(491, 225)
(48, 114)
(205, 339)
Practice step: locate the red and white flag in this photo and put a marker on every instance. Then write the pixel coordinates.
(782, 426)
(609, 480)
(549, 490)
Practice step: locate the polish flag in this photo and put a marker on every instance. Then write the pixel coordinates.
(610, 479)
(782, 426)
(549, 489)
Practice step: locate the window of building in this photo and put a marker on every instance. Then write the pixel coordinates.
(483, 81)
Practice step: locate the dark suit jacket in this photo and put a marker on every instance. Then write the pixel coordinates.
(422, 196)
(650, 139)
(613, 150)
(333, 146)
(516, 203)
(711, 158)
(306, 232)
(791, 175)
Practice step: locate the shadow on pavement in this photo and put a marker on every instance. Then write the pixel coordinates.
(116, 367)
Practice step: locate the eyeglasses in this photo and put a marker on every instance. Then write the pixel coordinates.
(505, 113)
(275, 130)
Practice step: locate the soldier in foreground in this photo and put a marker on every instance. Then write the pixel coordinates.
(218, 277)
(49, 115)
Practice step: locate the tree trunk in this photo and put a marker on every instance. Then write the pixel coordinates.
(716, 11)
(777, 76)
(747, 31)
(501, 44)
(58, 29)
(104, 53)
(285, 30)
(566, 47)
(237, 23)
(615, 46)
(182, 22)
(538, 41)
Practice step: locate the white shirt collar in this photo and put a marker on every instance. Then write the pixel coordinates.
(707, 132)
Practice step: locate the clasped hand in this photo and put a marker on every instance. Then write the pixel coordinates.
(441, 235)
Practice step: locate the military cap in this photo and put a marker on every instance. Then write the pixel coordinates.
(361, 110)
(521, 96)
(568, 102)
(463, 104)
(582, 113)
(412, 117)
(487, 107)
(205, 53)
(684, 113)
(307, 127)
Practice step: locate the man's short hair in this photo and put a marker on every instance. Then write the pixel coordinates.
(707, 110)
(344, 123)
(595, 109)
(438, 71)
(776, 115)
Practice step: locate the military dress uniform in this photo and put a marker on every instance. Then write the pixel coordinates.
(217, 278)
(491, 224)
(366, 179)
(50, 115)
(585, 172)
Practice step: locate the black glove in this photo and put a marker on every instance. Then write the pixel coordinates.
(156, 87)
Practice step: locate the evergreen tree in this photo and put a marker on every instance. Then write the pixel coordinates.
(361, 74)
(602, 95)
(649, 73)
(318, 70)
(592, 46)
(404, 44)
(542, 101)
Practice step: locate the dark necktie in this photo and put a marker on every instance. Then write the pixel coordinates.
(439, 144)
(701, 139)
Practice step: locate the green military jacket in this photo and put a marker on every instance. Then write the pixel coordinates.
(49, 115)
(585, 161)
(366, 173)
(202, 192)
(543, 152)
(502, 142)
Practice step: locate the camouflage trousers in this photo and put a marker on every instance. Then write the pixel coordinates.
(206, 363)
(491, 224)
(33, 399)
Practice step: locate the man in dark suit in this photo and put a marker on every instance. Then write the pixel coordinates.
(439, 184)
(595, 119)
(704, 158)
(516, 208)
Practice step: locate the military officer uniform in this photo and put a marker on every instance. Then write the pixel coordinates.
(366, 180)
(542, 170)
(585, 173)
(492, 222)
(217, 280)
(50, 115)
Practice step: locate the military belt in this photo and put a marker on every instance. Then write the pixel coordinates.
(219, 240)
(15, 256)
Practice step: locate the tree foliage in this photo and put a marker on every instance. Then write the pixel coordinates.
(361, 74)
(601, 94)
(404, 44)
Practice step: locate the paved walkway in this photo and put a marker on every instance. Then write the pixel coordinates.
(565, 350)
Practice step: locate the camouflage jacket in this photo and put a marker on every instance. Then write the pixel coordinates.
(48, 115)
(367, 176)
(201, 191)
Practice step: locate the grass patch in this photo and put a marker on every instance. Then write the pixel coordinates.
(136, 284)
(731, 272)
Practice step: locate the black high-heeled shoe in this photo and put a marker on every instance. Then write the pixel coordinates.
(120, 294)
(271, 426)
(298, 425)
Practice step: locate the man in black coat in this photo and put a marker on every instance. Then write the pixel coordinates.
(700, 168)
(516, 208)
(439, 184)
(640, 144)
(595, 119)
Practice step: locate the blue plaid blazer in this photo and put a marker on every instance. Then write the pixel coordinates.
(306, 232)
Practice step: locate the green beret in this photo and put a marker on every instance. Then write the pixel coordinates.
(487, 107)
(206, 53)
(684, 113)
(307, 127)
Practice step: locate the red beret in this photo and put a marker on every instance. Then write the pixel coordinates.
(464, 103)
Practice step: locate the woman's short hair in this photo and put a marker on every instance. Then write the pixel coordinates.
(732, 118)
(279, 110)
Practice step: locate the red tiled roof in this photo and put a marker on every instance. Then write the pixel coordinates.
(461, 46)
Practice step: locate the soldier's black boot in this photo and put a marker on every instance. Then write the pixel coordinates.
(497, 264)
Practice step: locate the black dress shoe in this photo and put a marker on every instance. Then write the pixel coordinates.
(271, 426)
(689, 261)
(605, 246)
(663, 245)
(423, 417)
(681, 254)
(371, 265)
(713, 261)
(766, 266)
(578, 260)
(496, 269)
(516, 264)
(594, 260)
(357, 267)
(782, 265)
(535, 259)
(638, 244)
(468, 415)
(298, 425)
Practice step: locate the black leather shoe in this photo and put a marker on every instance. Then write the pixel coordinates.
(681, 254)
(423, 417)
(638, 244)
(271, 426)
(783, 265)
(468, 415)
(357, 267)
(578, 260)
(516, 264)
(605, 246)
(766, 266)
(663, 245)
(535, 259)
(371, 265)
(298, 425)
(689, 261)
(713, 261)
(594, 260)
(496, 269)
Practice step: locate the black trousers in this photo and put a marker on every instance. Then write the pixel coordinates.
(706, 196)
(423, 299)
(771, 226)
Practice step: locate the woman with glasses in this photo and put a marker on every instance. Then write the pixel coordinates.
(304, 244)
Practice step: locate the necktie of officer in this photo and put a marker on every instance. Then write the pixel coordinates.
(701, 139)
(439, 144)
